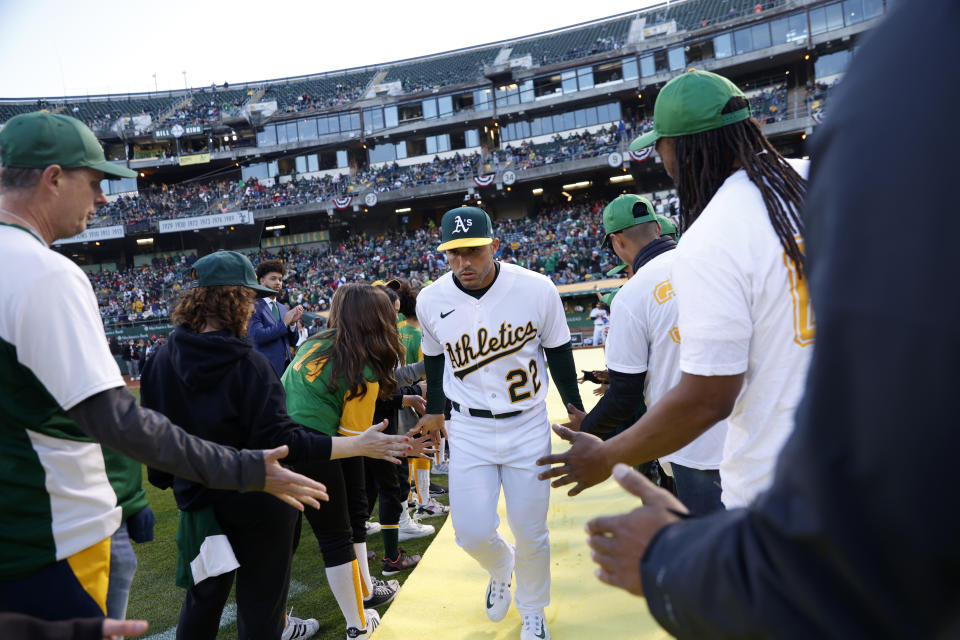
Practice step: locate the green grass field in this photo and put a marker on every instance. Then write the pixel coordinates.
(155, 597)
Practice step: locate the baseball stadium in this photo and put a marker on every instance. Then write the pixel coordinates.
(354, 177)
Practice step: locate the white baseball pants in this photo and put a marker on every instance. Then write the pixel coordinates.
(486, 454)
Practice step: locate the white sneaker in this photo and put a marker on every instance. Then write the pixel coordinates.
(297, 629)
(372, 527)
(497, 599)
(432, 509)
(440, 469)
(373, 621)
(408, 528)
(533, 627)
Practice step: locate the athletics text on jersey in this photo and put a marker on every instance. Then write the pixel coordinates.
(494, 346)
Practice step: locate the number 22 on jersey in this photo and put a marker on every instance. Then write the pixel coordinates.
(804, 324)
(520, 380)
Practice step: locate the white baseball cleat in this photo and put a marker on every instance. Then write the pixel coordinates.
(497, 599)
(533, 627)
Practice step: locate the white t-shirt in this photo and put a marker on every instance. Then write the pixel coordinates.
(742, 310)
(644, 338)
(49, 313)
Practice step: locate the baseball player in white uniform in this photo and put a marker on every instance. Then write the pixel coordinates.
(490, 329)
(643, 348)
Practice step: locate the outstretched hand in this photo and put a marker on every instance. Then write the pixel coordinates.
(373, 443)
(419, 403)
(293, 488)
(584, 463)
(619, 542)
(431, 425)
(575, 418)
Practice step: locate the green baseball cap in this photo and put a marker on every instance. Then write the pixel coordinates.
(465, 227)
(667, 227)
(39, 139)
(228, 269)
(692, 103)
(625, 211)
(617, 269)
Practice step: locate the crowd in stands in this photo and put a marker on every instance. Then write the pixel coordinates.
(342, 94)
(560, 242)
(392, 177)
(574, 147)
(816, 97)
(160, 203)
(769, 104)
(192, 199)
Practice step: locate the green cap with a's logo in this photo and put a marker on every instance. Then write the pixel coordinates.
(228, 269)
(625, 211)
(40, 139)
(692, 103)
(465, 227)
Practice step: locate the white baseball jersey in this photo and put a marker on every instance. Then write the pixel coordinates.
(644, 338)
(494, 346)
(743, 310)
(599, 316)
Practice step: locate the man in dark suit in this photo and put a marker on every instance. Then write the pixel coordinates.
(273, 326)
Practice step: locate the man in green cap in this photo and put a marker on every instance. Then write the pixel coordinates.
(62, 395)
(490, 330)
(743, 307)
(643, 348)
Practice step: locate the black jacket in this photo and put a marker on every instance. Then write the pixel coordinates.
(218, 387)
(858, 535)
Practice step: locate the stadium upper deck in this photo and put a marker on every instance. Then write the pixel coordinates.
(645, 30)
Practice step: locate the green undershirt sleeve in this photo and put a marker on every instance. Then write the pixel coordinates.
(436, 401)
(564, 372)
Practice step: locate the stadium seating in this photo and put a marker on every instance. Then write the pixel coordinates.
(694, 15)
(321, 92)
(575, 43)
(441, 71)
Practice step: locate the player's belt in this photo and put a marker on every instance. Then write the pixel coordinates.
(483, 413)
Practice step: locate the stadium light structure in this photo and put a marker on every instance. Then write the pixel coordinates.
(621, 178)
(143, 241)
(538, 191)
(403, 210)
(275, 227)
(578, 185)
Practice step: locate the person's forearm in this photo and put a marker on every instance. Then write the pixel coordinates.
(344, 447)
(262, 335)
(113, 418)
(678, 419)
(436, 400)
(564, 371)
(620, 403)
(409, 374)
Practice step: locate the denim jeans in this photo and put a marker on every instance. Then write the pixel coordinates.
(698, 489)
(123, 564)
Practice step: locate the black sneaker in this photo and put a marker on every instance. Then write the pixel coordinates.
(437, 490)
(381, 593)
(402, 563)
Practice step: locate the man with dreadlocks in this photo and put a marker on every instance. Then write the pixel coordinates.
(745, 323)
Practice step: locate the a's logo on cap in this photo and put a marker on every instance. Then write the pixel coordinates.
(461, 225)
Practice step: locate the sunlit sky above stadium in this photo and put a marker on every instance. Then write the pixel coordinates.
(53, 48)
